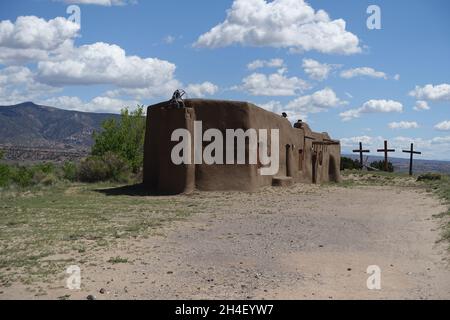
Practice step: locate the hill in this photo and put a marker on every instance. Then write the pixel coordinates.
(31, 125)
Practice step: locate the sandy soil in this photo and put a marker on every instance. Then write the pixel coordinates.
(307, 242)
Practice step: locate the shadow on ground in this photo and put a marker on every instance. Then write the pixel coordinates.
(132, 190)
(139, 190)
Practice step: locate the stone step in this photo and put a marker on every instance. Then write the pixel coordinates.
(282, 181)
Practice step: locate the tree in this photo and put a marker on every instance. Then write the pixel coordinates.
(124, 138)
(380, 165)
(349, 164)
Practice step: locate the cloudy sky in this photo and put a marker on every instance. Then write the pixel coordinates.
(315, 60)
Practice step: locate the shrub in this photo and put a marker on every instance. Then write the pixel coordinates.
(69, 171)
(49, 179)
(38, 176)
(22, 176)
(117, 166)
(93, 169)
(429, 177)
(46, 168)
(380, 165)
(350, 164)
(109, 167)
(125, 138)
(5, 175)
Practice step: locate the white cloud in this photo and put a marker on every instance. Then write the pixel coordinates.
(318, 101)
(276, 84)
(367, 141)
(98, 104)
(31, 38)
(299, 108)
(441, 140)
(290, 24)
(432, 93)
(60, 63)
(279, 108)
(404, 125)
(372, 106)
(17, 84)
(169, 39)
(273, 63)
(102, 63)
(363, 72)
(443, 126)
(421, 105)
(316, 70)
(201, 89)
(107, 3)
(273, 106)
(194, 90)
(397, 77)
(165, 90)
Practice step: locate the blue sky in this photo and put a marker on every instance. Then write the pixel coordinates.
(355, 83)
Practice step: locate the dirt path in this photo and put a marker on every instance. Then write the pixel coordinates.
(308, 242)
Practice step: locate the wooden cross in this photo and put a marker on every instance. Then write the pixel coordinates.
(412, 153)
(386, 151)
(361, 151)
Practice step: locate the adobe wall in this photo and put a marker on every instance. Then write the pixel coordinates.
(218, 114)
(163, 176)
(160, 174)
(223, 115)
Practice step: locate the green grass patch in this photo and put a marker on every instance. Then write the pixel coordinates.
(117, 260)
(44, 230)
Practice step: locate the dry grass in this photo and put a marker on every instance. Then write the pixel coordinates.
(44, 230)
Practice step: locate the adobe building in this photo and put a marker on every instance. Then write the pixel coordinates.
(304, 156)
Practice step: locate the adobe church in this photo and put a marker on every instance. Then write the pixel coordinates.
(304, 156)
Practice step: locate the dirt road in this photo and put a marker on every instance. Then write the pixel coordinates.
(307, 242)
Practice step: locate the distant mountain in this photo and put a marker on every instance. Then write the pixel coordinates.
(31, 125)
(419, 165)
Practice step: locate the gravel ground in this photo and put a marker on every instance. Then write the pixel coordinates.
(305, 242)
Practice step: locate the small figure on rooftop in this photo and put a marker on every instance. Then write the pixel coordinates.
(298, 124)
(177, 98)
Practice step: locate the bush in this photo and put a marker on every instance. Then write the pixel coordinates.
(22, 176)
(109, 167)
(50, 180)
(380, 165)
(92, 169)
(349, 164)
(69, 171)
(125, 138)
(429, 177)
(26, 176)
(46, 168)
(5, 175)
